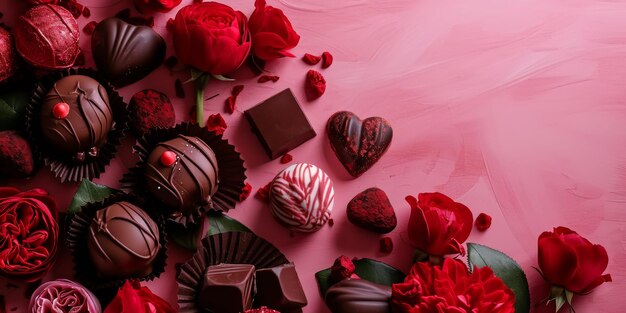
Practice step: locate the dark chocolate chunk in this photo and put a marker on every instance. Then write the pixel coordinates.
(126, 53)
(188, 180)
(280, 124)
(279, 288)
(358, 295)
(75, 117)
(358, 143)
(123, 241)
(227, 288)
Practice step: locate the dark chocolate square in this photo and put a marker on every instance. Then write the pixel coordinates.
(280, 124)
(279, 288)
(227, 288)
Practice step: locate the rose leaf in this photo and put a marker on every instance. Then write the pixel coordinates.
(368, 269)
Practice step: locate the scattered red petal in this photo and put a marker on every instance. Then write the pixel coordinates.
(171, 62)
(216, 124)
(266, 78)
(170, 24)
(197, 1)
(331, 222)
(245, 192)
(88, 29)
(327, 59)
(263, 193)
(180, 91)
(80, 59)
(311, 59)
(86, 12)
(237, 90)
(316, 84)
(386, 245)
(286, 158)
(231, 102)
(342, 268)
(74, 7)
(483, 222)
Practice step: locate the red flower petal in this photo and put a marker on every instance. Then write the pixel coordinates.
(316, 84)
(237, 90)
(245, 192)
(311, 59)
(88, 29)
(263, 193)
(231, 102)
(557, 260)
(86, 12)
(286, 158)
(386, 245)
(483, 222)
(216, 124)
(327, 59)
(170, 24)
(266, 78)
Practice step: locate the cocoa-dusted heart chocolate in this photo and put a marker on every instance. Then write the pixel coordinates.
(372, 210)
(126, 53)
(358, 144)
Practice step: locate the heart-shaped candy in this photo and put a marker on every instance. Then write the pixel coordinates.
(358, 143)
(372, 210)
(126, 53)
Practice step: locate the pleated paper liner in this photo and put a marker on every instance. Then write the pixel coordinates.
(78, 230)
(230, 247)
(62, 165)
(231, 171)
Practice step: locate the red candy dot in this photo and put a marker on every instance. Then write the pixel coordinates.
(168, 158)
(61, 110)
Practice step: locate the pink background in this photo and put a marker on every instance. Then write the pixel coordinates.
(515, 108)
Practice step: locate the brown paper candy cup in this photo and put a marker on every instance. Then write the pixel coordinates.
(231, 171)
(78, 229)
(230, 247)
(61, 165)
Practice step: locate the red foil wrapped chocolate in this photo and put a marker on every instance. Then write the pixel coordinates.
(46, 36)
(8, 56)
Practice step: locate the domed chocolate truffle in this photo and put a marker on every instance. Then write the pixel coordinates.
(358, 295)
(76, 117)
(302, 197)
(123, 241)
(182, 173)
(46, 36)
(8, 56)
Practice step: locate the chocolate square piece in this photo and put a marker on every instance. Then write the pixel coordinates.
(227, 288)
(279, 288)
(280, 124)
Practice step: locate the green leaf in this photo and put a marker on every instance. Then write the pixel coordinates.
(221, 223)
(195, 74)
(13, 108)
(504, 267)
(88, 192)
(368, 269)
(189, 237)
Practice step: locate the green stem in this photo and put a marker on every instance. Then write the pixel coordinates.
(201, 83)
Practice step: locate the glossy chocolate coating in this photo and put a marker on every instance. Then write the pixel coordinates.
(279, 288)
(126, 53)
(123, 241)
(227, 288)
(358, 295)
(358, 143)
(85, 129)
(191, 181)
(280, 124)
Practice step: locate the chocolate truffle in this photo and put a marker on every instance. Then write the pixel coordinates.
(76, 118)
(227, 288)
(358, 295)
(123, 241)
(126, 53)
(280, 124)
(302, 197)
(279, 288)
(190, 181)
(8, 57)
(46, 36)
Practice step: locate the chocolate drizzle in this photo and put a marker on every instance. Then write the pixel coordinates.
(191, 181)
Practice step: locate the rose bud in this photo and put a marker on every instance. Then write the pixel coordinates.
(29, 233)
(16, 157)
(211, 37)
(571, 264)
(63, 296)
(131, 297)
(163, 6)
(438, 225)
(272, 33)
(46, 36)
(8, 56)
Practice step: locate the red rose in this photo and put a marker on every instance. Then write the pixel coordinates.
(146, 6)
(211, 37)
(28, 233)
(450, 288)
(570, 261)
(272, 33)
(438, 225)
(136, 299)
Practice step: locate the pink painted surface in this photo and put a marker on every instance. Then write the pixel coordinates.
(515, 108)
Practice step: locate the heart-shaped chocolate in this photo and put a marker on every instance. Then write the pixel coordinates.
(372, 210)
(358, 143)
(126, 53)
